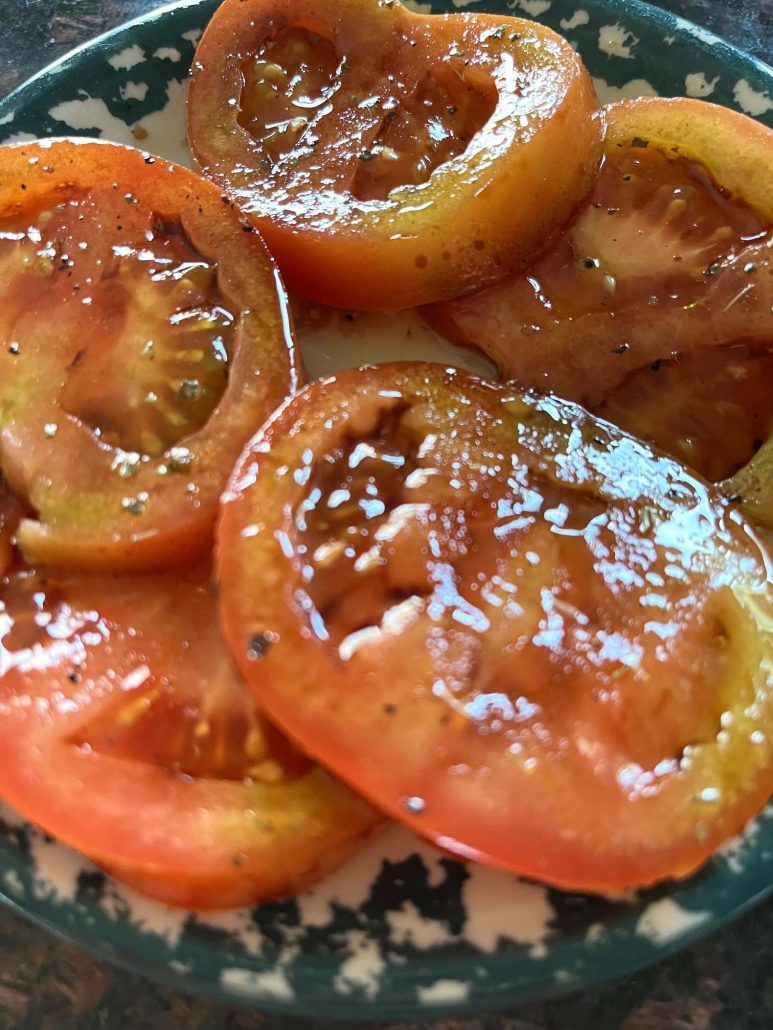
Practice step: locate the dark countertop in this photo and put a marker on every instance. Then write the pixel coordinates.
(723, 983)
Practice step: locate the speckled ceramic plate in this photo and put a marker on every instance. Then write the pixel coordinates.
(401, 931)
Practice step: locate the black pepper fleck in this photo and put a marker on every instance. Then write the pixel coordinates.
(258, 644)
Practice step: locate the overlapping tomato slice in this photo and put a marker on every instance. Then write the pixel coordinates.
(126, 732)
(517, 629)
(144, 338)
(655, 307)
(389, 158)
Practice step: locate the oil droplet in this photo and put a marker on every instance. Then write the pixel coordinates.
(190, 389)
(414, 805)
(126, 465)
(135, 505)
(179, 458)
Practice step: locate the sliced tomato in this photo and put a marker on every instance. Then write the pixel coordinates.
(126, 732)
(144, 339)
(508, 624)
(671, 255)
(392, 158)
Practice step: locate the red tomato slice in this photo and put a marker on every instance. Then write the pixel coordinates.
(390, 158)
(145, 338)
(671, 255)
(508, 624)
(126, 732)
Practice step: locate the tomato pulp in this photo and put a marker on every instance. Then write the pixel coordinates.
(508, 624)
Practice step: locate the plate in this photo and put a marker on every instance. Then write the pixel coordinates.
(401, 931)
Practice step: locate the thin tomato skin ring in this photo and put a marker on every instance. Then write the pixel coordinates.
(483, 212)
(440, 656)
(83, 513)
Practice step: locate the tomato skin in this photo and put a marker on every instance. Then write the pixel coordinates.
(425, 613)
(114, 725)
(455, 232)
(85, 512)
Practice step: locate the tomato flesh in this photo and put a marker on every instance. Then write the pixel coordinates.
(556, 641)
(145, 338)
(379, 150)
(711, 409)
(126, 732)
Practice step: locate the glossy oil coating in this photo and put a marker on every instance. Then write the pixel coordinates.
(389, 158)
(144, 338)
(515, 628)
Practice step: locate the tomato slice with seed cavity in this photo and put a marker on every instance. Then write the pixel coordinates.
(391, 158)
(144, 339)
(555, 642)
(126, 732)
(671, 255)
